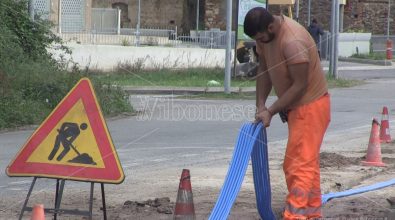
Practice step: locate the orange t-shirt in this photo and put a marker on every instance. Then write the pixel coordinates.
(293, 45)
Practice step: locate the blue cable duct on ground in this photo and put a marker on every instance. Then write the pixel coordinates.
(329, 196)
(252, 143)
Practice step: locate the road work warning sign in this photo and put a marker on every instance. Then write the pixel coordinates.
(72, 143)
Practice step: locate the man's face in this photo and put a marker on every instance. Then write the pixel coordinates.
(264, 37)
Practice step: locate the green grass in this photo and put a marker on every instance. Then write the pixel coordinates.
(332, 83)
(196, 77)
(371, 56)
(341, 83)
(241, 96)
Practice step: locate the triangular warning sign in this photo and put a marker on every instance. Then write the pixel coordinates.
(72, 143)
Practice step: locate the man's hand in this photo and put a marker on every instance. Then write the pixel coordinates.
(265, 116)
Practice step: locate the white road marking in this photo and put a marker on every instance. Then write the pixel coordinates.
(212, 151)
(176, 147)
(16, 189)
(344, 131)
(362, 68)
(160, 159)
(20, 182)
(130, 165)
(189, 155)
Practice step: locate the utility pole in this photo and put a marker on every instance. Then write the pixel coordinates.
(197, 15)
(228, 55)
(138, 24)
(341, 17)
(336, 49)
(31, 9)
(118, 21)
(309, 13)
(332, 38)
(60, 17)
(389, 42)
(388, 19)
(297, 10)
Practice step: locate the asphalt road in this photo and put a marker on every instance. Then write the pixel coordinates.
(174, 132)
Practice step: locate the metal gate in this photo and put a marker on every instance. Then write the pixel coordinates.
(73, 15)
(41, 8)
(104, 20)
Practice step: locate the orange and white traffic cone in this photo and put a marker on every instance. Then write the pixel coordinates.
(385, 135)
(373, 156)
(184, 209)
(38, 212)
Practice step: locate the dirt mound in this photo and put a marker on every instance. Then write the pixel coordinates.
(160, 205)
(336, 160)
(83, 158)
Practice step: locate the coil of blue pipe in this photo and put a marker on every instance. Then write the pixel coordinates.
(251, 142)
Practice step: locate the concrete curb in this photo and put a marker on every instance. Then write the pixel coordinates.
(185, 90)
(366, 61)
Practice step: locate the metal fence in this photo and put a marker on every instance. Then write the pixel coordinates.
(378, 43)
(325, 45)
(42, 8)
(103, 27)
(73, 16)
(107, 35)
(104, 21)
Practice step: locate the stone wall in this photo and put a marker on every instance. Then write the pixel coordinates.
(157, 13)
(359, 15)
(215, 14)
(154, 13)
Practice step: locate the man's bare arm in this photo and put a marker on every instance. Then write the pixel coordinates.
(299, 76)
(263, 86)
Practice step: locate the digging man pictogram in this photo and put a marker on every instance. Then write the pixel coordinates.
(68, 132)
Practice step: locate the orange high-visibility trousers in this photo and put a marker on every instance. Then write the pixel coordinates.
(306, 126)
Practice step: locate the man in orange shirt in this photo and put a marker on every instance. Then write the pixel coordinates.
(289, 62)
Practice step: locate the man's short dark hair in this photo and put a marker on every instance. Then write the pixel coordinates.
(315, 21)
(257, 20)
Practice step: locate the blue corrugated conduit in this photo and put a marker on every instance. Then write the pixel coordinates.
(329, 196)
(251, 142)
(260, 168)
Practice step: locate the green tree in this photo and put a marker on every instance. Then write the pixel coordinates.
(31, 82)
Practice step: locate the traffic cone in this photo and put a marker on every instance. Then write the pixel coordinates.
(184, 209)
(373, 156)
(38, 212)
(385, 127)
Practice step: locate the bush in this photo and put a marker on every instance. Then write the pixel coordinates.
(31, 82)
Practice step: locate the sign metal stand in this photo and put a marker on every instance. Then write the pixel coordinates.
(58, 198)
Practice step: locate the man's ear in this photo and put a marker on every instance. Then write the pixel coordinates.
(271, 28)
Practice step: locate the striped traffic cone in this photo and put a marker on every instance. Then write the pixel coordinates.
(373, 155)
(38, 212)
(184, 209)
(385, 127)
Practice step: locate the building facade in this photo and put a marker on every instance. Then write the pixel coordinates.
(76, 15)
